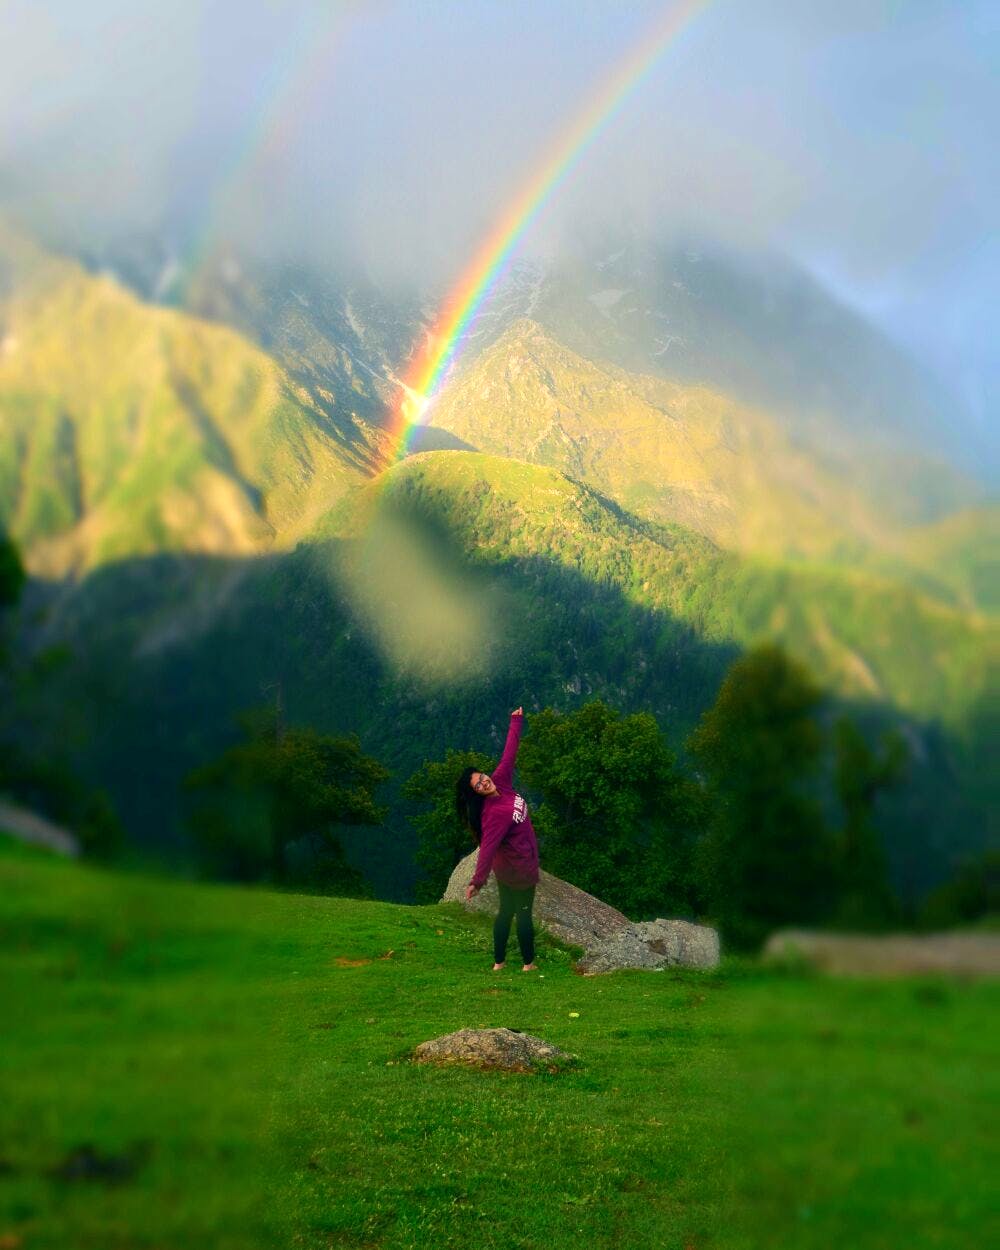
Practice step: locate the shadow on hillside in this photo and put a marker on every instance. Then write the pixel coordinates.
(136, 676)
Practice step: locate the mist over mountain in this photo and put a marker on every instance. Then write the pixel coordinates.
(753, 324)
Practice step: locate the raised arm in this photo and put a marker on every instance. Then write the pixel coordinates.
(504, 771)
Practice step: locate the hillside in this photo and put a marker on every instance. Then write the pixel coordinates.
(129, 429)
(227, 1068)
(754, 327)
(672, 452)
(963, 548)
(633, 533)
(514, 584)
(759, 328)
(796, 429)
(515, 512)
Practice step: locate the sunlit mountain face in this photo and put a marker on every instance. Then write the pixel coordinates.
(653, 453)
(757, 327)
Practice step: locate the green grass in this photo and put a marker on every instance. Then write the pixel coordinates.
(257, 1091)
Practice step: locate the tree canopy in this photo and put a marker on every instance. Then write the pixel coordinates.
(768, 857)
(280, 787)
(11, 572)
(618, 818)
(441, 839)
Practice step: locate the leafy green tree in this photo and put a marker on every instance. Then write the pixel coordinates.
(441, 839)
(866, 899)
(972, 894)
(11, 573)
(767, 858)
(280, 787)
(44, 784)
(11, 583)
(617, 819)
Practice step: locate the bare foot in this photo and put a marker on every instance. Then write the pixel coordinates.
(530, 968)
(497, 967)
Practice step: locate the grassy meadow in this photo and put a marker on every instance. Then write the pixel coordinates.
(203, 1066)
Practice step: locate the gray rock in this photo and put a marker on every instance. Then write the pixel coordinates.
(609, 939)
(897, 954)
(504, 1049)
(654, 944)
(36, 830)
(571, 915)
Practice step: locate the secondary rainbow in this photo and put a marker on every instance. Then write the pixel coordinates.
(282, 96)
(493, 258)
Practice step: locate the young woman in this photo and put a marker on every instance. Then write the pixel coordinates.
(488, 804)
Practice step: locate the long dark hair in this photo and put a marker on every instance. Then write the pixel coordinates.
(469, 804)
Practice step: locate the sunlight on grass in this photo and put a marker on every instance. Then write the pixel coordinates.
(199, 1065)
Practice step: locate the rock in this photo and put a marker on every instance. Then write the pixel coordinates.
(571, 915)
(36, 830)
(898, 954)
(609, 939)
(654, 944)
(503, 1049)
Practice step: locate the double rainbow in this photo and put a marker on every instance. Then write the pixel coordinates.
(491, 262)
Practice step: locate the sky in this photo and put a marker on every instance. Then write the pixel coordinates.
(857, 136)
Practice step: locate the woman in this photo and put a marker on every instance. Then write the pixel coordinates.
(498, 816)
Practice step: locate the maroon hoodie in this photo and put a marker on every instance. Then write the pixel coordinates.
(508, 845)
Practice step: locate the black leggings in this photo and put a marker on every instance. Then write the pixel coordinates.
(514, 903)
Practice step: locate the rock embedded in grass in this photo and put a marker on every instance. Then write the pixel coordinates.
(506, 1050)
(896, 954)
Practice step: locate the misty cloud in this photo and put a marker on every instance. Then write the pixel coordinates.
(856, 136)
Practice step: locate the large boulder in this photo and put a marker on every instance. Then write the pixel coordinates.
(896, 954)
(506, 1049)
(609, 939)
(30, 827)
(654, 944)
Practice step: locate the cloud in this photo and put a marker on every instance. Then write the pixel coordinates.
(855, 134)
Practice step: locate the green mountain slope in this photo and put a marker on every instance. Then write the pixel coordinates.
(762, 330)
(963, 549)
(675, 452)
(517, 585)
(866, 636)
(128, 429)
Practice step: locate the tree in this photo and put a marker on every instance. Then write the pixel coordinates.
(441, 840)
(767, 858)
(11, 573)
(46, 784)
(617, 819)
(861, 775)
(280, 787)
(972, 894)
(11, 584)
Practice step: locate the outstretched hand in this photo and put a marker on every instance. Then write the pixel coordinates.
(518, 711)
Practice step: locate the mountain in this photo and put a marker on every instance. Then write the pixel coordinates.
(665, 450)
(964, 546)
(752, 325)
(758, 328)
(133, 429)
(631, 530)
(516, 583)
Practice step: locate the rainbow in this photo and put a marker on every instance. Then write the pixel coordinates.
(282, 95)
(491, 262)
